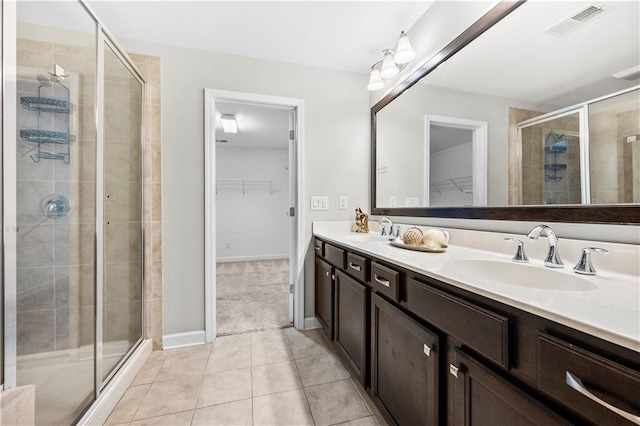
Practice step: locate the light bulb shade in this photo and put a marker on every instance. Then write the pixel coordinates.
(404, 51)
(229, 124)
(389, 68)
(375, 82)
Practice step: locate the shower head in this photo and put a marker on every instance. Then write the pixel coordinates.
(44, 80)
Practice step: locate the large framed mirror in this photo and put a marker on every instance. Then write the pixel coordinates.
(532, 113)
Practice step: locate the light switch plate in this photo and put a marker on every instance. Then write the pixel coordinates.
(320, 203)
(344, 202)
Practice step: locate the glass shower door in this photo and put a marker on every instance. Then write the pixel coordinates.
(55, 169)
(123, 262)
(551, 160)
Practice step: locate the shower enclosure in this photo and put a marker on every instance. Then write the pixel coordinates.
(583, 154)
(73, 206)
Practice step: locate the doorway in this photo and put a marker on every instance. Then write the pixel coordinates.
(253, 268)
(455, 171)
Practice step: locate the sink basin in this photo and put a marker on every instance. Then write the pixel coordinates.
(518, 274)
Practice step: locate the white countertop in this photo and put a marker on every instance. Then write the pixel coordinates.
(609, 309)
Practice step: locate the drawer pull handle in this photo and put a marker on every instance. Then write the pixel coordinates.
(381, 281)
(354, 266)
(317, 248)
(453, 370)
(328, 274)
(427, 350)
(576, 384)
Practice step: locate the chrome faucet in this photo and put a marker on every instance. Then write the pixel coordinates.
(553, 256)
(384, 221)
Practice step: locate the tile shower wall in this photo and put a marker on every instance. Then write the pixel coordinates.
(149, 66)
(55, 278)
(55, 272)
(611, 158)
(536, 189)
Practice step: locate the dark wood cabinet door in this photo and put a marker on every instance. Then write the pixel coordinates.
(324, 296)
(404, 366)
(350, 331)
(481, 397)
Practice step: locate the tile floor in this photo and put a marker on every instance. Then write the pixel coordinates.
(273, 377)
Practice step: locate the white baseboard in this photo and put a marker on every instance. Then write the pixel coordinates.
(179, 340)
(311, 323)
(252, 258)
(108, 399)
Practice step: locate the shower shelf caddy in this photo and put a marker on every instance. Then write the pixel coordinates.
(551, 169)
(42, 104)
(246, 184)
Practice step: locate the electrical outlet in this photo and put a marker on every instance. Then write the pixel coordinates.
(412, 201)
(344, 202)
(392, 201)
(320, 203)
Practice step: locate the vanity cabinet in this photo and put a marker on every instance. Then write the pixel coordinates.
(324, 295)
(429, 352)
(404, 366)
(350, 333)
(482, 397)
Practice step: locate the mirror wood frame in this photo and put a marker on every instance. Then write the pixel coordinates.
(612, 213)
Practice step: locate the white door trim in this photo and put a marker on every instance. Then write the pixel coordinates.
(211, 96)
(480, 131)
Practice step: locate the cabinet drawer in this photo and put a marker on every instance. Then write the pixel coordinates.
(319, 247)
(478, 328)
(482, 397)
(357, 266)
(602, 391)
(385, 281)
(334, 255)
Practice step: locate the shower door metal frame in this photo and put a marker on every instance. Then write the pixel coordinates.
(9, 192)
(104, 38)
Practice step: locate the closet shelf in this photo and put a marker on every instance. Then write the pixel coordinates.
(246, 184)
(464, 184)
(38, 103)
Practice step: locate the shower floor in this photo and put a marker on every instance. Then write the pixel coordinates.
(252, 296)
(64, 380)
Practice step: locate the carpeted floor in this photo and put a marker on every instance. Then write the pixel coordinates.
(252, 296)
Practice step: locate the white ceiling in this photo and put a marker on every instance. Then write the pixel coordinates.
(515, 59)
(340, 35)
(258, 126)
(445, 137)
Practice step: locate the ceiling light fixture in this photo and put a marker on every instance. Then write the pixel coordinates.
(229, 124)
(392, 62)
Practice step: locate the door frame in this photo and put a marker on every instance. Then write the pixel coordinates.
(480, 130)
(297, 254)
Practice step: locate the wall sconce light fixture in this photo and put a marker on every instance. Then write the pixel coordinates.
(392, 62)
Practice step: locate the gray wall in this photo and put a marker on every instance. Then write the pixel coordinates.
(336, 150)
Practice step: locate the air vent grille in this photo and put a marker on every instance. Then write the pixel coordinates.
(587, 13)
(576, 20)
(221, 141)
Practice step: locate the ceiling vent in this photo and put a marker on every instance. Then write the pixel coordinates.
(576, 20)
(630, 74)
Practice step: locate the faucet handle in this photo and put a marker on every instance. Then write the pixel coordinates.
(584, 265)
(520, 256)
